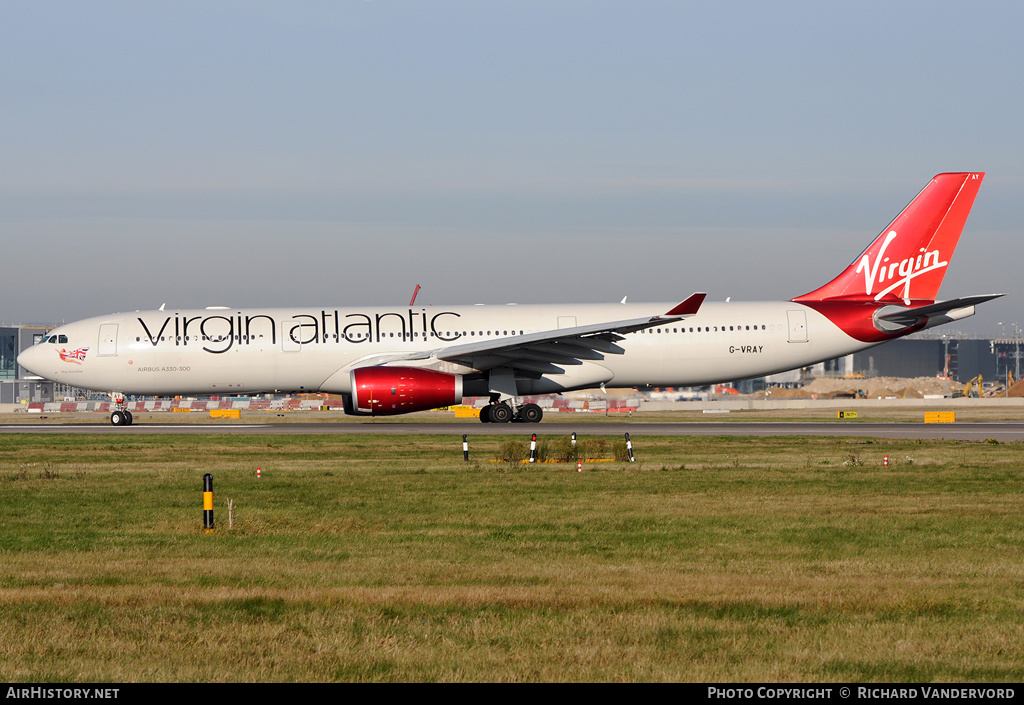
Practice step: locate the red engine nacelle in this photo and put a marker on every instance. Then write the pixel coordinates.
(382, 391)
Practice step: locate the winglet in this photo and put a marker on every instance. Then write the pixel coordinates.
(688, 307)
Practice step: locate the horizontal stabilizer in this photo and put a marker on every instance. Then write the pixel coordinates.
(895, 317)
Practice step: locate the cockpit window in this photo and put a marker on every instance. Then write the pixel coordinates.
(55, 339)
(63, 339)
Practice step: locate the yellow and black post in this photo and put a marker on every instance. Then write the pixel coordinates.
(208, 502)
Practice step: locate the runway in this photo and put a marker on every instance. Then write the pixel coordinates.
(1004, 431)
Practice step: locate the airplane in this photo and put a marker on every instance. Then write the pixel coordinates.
(394, 360)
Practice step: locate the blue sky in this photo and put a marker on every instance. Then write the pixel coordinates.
(339, 153)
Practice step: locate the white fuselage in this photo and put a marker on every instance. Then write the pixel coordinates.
(236, 351)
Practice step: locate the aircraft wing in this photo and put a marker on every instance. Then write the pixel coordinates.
(544, 352)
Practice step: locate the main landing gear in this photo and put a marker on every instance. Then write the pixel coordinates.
(502, 412)
(120, 416)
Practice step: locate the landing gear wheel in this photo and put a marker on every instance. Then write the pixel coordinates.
(501, 413)
(485, 414)
(128, 418)
(118, 418)
(531, 413)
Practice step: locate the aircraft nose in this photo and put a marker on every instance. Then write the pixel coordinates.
(29, 359)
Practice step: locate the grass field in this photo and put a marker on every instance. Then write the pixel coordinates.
(388, 558)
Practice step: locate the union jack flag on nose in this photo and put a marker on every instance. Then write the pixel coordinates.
(75, 356)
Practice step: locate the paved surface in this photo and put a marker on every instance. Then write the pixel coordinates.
(1001, 431)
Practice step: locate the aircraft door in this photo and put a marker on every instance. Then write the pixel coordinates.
(296, 333)
(797, 326)
(108, 339)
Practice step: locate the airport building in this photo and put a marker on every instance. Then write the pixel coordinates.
(955, 356)
(960, 359)
(16, 384)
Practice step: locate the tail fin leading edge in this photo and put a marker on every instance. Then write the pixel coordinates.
(907, 261)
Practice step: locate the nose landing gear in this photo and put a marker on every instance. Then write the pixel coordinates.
(120, 416)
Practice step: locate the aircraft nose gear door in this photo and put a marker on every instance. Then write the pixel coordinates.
(797, 326)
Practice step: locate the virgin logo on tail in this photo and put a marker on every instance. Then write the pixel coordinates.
(929, 229)
(907, 269)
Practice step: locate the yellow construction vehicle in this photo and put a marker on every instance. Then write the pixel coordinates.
(967, 390)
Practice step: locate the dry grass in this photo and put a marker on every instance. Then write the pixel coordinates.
(388, 558)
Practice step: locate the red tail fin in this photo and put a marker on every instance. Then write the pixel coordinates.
(907, 261)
